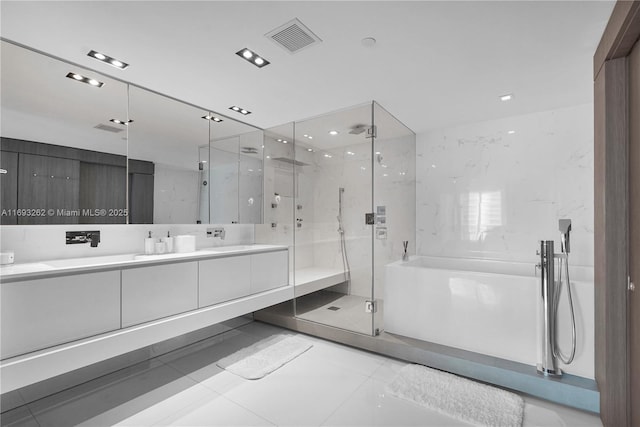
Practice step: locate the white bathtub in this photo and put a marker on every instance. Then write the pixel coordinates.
(484, 306)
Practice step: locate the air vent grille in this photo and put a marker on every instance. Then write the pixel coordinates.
(108, 128)
(293, 36)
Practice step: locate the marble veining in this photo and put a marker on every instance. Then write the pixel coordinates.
(494, 189)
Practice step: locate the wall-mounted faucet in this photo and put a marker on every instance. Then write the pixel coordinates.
(216, 232)
(76, 237)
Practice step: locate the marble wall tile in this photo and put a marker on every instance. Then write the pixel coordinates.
(33, 243)
(494, 189)
(175, 195)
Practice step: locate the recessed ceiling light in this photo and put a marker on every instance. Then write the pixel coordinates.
(511, 132)
(333, 132)
(506, 97)
(239, 110)
(212, 118)
(310, 150)
(107, 59)
(351, 153)
(121, 122)
(83, 79)
(252, 57)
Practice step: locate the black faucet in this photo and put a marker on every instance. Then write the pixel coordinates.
(75, 237)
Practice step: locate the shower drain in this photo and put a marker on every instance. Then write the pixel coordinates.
(333, 308)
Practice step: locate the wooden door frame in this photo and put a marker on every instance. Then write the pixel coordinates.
(611, 204)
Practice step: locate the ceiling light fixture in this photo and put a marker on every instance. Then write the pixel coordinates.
(107, 59)
(252, 57)
(121, 122)
(310, 150)
(284, 141)
(333, 132)
(239, 110)
(506, 97)
(328, 156)
(212, 118)
(511, 132)
(351, 153)
(83, 79)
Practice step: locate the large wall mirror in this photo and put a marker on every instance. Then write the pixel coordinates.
(88, 149)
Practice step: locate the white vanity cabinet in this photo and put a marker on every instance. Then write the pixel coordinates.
(269, 270)
(224, 279)
(150, 293)
(41, 313)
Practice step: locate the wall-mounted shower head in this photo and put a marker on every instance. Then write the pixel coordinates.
(565, 229)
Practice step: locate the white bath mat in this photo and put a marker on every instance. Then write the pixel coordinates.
(457, 397)
(264, 357)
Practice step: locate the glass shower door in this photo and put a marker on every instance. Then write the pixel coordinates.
(333, 274)
(394, 200)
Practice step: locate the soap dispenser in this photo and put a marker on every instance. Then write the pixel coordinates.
(168, 241)
(149, 245)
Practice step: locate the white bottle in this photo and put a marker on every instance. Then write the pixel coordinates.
(160, 247)
(168, 243)
(149, 245)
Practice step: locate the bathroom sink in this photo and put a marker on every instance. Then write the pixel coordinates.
(236, 248)
(24, 268)
(145, 257)
(82, 262)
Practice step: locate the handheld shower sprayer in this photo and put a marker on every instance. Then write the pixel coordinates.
(551, 289)
(565, 229)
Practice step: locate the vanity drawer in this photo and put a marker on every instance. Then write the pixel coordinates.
(41, 313)
(224, 279)
(150, 293)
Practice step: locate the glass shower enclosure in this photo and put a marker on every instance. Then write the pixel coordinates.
(339, 191)
(353, 206)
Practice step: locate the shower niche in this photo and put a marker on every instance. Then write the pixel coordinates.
(327, 173)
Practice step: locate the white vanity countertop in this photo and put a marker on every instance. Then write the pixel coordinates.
(57, 267)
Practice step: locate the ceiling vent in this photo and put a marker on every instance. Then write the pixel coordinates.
(293, 36)
(108, 128)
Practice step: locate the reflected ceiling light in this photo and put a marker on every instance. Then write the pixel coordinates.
(252, 57)
(212, 118)
(328, 156)
(377, 152)
(310, 150)
(511, 132)
(121, 122)
(239, 110)
(307, 136)
(506, 97)
(107, 59)
(333, 132)
(385, 174)
(284, 141)
(83, 79)
(351, 153)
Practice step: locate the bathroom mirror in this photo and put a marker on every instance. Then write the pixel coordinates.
(65, 161)
(63, 135)
(199, 168)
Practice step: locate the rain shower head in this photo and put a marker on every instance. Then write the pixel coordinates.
(358, 129)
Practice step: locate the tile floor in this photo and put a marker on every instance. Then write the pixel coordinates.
(329, 385)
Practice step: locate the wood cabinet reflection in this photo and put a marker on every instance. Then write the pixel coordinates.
(52, 184)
